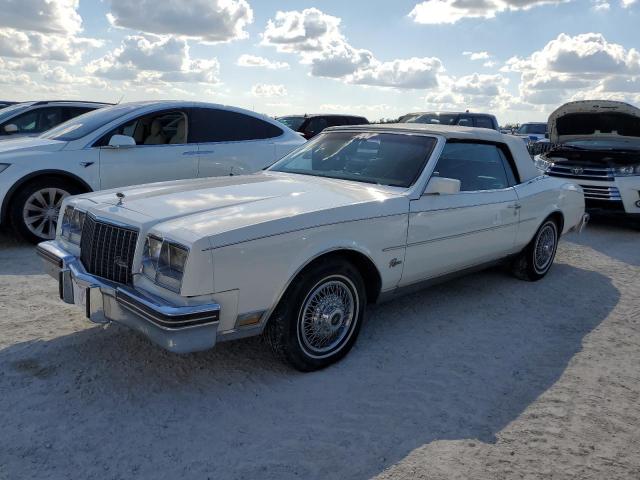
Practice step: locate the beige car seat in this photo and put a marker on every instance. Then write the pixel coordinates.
(181, 133)
(155, 136)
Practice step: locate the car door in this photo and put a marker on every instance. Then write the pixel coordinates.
(162, 151)
(451, 232)
(231, 143)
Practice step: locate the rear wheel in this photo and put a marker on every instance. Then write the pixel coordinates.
(536, 259)
(34, 210)
(318, 319)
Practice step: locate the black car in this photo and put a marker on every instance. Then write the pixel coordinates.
(311, 125)
(467, 119)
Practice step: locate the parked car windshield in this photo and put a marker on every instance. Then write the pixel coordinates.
(434, 119)
(533, 128)
(80, 126)
(380, 158)
(294, 123)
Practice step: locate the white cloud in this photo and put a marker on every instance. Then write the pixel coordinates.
(268, 91)
(570, 64)
(255, 61)
(317, 39)
(47, 16)
(342, 108)
(20, 44)
(205, 20)
(628, 3)
(409, 73)
(43, 29)
(601, 5)
(477, 55)
(154, 59)
(451, 11)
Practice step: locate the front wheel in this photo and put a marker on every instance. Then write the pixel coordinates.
(35, 208)
(318, 319)
(536, 259)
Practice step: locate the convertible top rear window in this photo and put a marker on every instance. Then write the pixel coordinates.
(380, 158)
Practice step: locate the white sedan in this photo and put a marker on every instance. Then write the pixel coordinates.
(129, 144)
(358, 215)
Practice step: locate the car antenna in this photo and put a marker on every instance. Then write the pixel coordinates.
(120, 100)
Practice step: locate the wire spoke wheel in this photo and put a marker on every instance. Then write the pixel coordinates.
(545, 248)
(41, 210)
(327, 316)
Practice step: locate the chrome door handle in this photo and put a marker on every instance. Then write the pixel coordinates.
(191, 152)
(515, 206)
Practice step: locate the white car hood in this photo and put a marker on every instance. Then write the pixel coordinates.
(21, 145)
(250, 206)
(594, 120)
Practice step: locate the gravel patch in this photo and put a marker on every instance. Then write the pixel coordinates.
(482, 377)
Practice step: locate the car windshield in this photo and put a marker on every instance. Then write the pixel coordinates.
(533, 128)
(11, 110)
(380, 158)
(294, 123)
(80, 126)
(434, 119)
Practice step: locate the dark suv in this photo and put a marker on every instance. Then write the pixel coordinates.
(311, 125)
(466, 119)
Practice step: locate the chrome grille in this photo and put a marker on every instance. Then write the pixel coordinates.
(107, 250)
(581, 171)
(597, 192)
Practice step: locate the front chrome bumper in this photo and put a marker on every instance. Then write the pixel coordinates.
(179, 329)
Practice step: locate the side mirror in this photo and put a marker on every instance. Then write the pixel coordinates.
(442, 186)
(11, 128)
(122, 141)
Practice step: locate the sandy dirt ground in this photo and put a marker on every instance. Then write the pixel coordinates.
(483, 377)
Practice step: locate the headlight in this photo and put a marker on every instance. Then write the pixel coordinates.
(72, 223)
(163, 262)
(4, 166)
(542, 164)
(627, 170)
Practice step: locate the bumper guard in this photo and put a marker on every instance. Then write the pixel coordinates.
(179, 329)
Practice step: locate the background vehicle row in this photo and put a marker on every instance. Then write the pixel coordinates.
(130, 144)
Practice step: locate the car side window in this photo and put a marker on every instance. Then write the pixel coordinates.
(37, 121)
(483, 122)
(208, 125)
(158, 128)
(316, 125)
(478, 166)
(72, 112)
(465, 121)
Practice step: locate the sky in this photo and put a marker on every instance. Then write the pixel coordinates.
(517, 59)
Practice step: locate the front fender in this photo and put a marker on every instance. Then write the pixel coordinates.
(261, 270)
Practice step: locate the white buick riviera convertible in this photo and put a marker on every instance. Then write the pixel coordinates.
(298, 251)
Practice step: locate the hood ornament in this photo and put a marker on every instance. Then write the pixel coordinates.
(120, 196)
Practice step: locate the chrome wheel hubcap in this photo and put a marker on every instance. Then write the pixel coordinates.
(41, 210)
(327, 316)
(545, 248)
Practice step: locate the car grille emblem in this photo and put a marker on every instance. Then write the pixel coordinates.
(119, 262)
(577, 170)
(120, 196)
